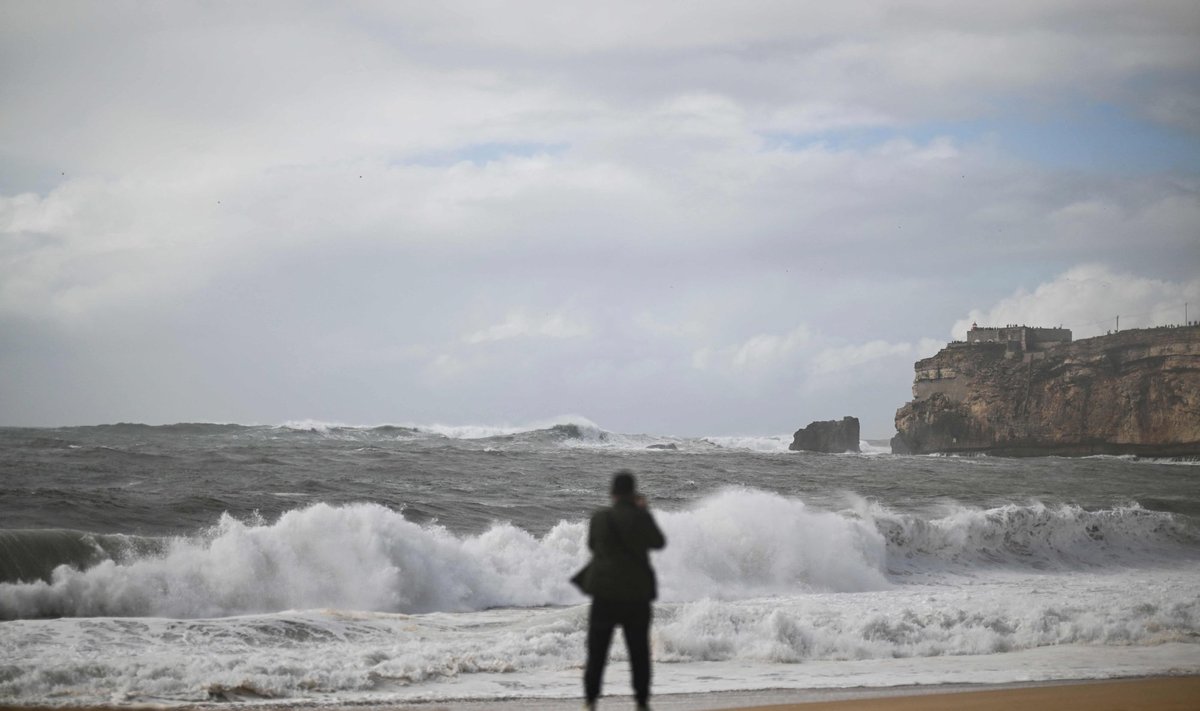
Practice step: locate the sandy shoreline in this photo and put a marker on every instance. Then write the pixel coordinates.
(1160, 694)
(1174, 693)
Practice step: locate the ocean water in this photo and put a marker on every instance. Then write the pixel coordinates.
(330, 564)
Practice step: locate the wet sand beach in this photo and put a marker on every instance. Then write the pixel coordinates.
(1176, 693)
(1180, 693)
(1161, 694)
(1169, 693)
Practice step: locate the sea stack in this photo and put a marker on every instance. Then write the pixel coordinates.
(1020, 391)
(831, 436)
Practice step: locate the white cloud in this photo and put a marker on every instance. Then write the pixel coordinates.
(815, 356)
(648, 323)
(446, 367)
(768, 350)
(557, 325)
(91, 245)
(762, 353)
(1088, 299)
(853, 357)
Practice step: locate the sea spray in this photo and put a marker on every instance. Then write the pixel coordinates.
(747, 542)
(356, 557)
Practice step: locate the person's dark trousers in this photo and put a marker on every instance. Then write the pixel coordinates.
(634, 619)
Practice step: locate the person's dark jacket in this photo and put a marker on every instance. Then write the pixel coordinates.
(620, 538)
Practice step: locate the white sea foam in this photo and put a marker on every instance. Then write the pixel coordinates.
(344, 656)
(927, 621)
(484, 431)
(320, 426)
(779, 444)
(754, 443)
(867, 448)
(744, 542)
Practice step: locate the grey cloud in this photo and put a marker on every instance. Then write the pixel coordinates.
(464, 213)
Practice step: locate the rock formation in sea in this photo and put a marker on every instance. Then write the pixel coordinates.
(1025, 392)
(833, 436)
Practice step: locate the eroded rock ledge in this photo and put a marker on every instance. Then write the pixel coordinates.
(1134, 392)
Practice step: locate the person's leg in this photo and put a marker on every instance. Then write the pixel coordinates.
(635, 624)
(600, 630)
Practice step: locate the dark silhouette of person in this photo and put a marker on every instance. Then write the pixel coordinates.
(622, 585)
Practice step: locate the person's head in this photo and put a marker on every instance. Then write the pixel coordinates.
(623, 485)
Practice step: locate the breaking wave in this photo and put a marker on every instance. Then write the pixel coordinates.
(736, 544)
(465, 432)
(561, 431)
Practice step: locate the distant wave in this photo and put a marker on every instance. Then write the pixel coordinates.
(583, 424)
(561, 431)
(450, 431)
(178, 427)
(565, 427)
(735, 544)
(569, 430)
(753, 443)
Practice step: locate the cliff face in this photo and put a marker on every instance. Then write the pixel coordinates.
(1135, 392)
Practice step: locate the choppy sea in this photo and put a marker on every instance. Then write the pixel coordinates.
(324, 564)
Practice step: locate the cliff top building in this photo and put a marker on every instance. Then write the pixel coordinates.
(1020, 339)
(939, 375)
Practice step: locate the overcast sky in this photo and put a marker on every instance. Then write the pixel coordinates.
(692, 218)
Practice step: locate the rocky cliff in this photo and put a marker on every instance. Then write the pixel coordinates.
(1134, 392)
(832, 436)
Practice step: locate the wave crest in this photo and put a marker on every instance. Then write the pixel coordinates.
(736, 544)
(368, 557)
(360, 556)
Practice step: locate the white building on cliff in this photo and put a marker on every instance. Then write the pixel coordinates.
(1020, 339)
